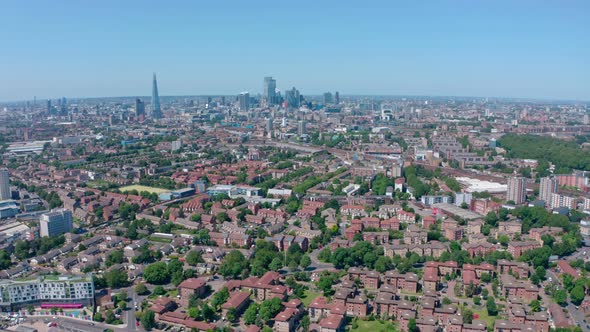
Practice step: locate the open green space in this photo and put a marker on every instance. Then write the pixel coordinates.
(310, 296)
(141, 188)
(375, 325)
(483, 315)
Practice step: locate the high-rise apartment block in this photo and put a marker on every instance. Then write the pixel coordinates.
(516, 190)
(548, 186)
(4, 185)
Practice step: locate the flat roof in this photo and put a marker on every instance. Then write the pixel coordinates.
(457, 211)
(476, 185)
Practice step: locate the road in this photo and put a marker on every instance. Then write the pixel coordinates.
(316, 264)
(130, 313)
(75, 325)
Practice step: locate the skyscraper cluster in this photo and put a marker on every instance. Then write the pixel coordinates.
(293, 98)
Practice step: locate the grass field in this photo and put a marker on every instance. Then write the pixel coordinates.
(483, 315)
(140, 188)
(377, 326)
(310, 296)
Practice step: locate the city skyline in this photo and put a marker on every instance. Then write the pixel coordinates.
(502, 49)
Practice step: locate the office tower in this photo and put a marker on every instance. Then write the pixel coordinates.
(301, 130)
(327, 98)
(269, 128)
(4, 185)
(48, 106)
(222, 100)
(244, 99)
(156, 110)
(139, 108)
(293, 98)
(336, 98)
(516, 190)
(209, 100)
(548, 186)
(269, 92)
(56, 222)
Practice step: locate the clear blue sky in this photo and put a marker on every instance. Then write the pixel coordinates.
(512, 48)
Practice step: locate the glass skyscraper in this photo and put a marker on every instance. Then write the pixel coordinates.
(269, 93)
(156, 110)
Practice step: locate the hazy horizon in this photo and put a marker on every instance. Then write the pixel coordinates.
(497, 49)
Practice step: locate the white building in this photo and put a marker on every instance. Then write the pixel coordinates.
(47, 289)
(461, 198)
(558, 201)
(56, 222)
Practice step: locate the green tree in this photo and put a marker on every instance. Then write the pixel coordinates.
(193, 258)
(5, 260)
(122, 305)
(116, 278)
(231, 314)
(157, 273)
(141, 289)
(207, 312)
(503, 239)
(276, 264)
(535, 305)
(412, 327)
(560, 296)
(577, 294)
(148, 320)
(305, 262)
(98, 317)
(115, 257)
(251, 314)
(467, 316)
(491, 306)
(194, 312)
(233, 265)
(159, 290)
(110, 317)
(220, 297)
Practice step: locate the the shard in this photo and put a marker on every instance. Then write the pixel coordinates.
(156, 110)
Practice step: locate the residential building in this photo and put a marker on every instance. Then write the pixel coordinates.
(4, 185)
(63, 289)
(548, 186)
(516, 190)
